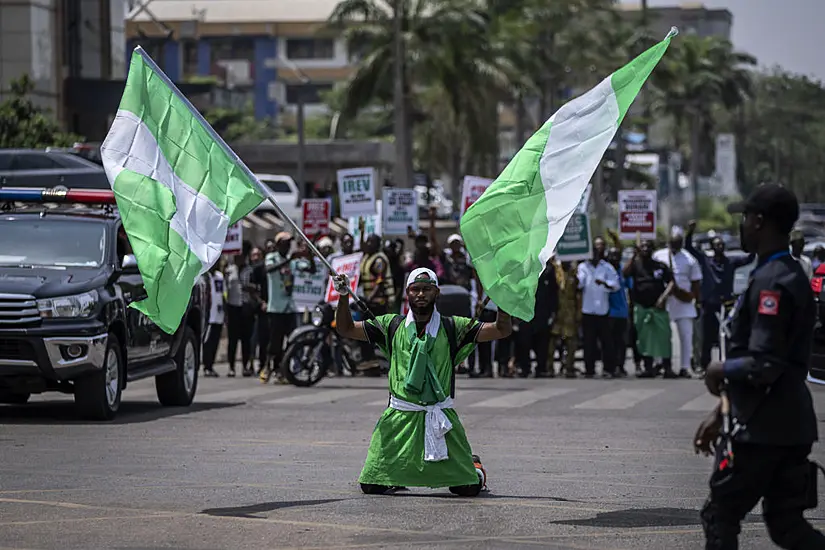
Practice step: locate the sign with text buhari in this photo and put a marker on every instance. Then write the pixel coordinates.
(356, 191)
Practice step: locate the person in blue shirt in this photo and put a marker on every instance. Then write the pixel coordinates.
(717, 289)
(618, 309)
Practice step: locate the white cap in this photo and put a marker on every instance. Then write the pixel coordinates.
(422, 271)
(324, 242)
(676, 232)
(453, 238)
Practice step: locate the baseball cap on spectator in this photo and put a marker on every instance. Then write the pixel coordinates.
(283, 236)
(324, 242)
(773, 202)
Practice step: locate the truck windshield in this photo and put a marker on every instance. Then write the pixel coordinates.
(51, 243)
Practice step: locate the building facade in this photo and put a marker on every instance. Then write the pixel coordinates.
(63, 46)
(262, 53)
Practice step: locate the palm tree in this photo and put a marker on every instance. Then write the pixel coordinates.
(698, 75)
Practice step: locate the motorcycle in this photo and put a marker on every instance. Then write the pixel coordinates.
(312, 349)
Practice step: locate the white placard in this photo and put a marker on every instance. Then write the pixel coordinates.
(309, 289)
(637, 213)
(472, 189)
(356, 191)
(372, 224)
(400, 210)
(234, 239)
(349, 265)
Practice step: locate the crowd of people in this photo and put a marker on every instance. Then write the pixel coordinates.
(604, 306)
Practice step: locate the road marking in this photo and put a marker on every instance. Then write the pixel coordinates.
(521, 398)
(704, 402)
(241, 394)
(621, 399)
(316, 397)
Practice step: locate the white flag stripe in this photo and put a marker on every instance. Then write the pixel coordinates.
(310, 397)
(704, 402)
(617, 400)
(580, 133)
(199, 221)
(521, 398)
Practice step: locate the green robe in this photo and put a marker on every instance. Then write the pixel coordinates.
(396, 453)
(653, 333)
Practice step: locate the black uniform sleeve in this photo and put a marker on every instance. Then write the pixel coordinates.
(770, 310)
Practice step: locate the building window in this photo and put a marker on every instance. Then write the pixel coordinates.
(190, 58)
(224, 49)
(310, 48)
(311, 93)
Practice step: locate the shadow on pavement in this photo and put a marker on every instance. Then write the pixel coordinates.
(130, 413)
(247, 511)
(646, 517)
(485, 496)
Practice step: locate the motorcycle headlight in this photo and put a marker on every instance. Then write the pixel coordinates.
(79, 305)
(317, 317)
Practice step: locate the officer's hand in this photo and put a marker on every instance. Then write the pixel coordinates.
(714, 377)
(691, 226)
(707, 433)
(341, 284)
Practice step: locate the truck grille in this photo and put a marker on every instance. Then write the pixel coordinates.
(18, 310)
(16, 350)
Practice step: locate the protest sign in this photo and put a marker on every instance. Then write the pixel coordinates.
(472, 189)
(316, 214)
(234, 239)
(637, 213)
(372, 225)
(356, 191)
(349, 265)
(309, 289)
(400, 210)
(574, 244)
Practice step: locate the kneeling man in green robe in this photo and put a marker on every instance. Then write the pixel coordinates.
(419, 440)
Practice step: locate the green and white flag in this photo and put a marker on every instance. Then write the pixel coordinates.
(178, 187)
(513, 229)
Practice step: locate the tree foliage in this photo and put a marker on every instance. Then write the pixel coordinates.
(236, 125)
(24, 125)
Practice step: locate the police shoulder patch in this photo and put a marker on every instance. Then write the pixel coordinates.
(769, 302)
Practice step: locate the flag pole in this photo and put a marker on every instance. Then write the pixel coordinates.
(263, 189)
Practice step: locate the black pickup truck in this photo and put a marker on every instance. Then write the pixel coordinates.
(67, 277)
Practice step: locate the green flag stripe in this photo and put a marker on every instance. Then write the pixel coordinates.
(153, 241)
(188, 147)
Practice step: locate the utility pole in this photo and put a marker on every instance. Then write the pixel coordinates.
(403, 149)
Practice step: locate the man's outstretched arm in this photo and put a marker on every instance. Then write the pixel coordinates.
(501, 328)
(344, 324)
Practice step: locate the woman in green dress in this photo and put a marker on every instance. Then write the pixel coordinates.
(419, 440)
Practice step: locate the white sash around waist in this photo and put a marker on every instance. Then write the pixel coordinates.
(436, 425)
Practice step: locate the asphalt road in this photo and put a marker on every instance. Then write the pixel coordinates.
(602, 464)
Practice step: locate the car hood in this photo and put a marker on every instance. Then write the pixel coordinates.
(50, 283)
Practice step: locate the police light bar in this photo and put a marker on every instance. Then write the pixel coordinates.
(78, 196)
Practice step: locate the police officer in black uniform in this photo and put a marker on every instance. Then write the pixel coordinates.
(764, 376)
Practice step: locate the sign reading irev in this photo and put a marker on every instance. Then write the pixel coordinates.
(356, 191)
(637, 213)
(233, 244)
(400, 210)
(316, 214)
(574, 244)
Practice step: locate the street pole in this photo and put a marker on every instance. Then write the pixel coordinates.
(695, 145)
(303, 185)
(403, 163)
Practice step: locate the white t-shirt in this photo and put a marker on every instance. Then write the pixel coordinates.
(686, 270)
(595, 297)
(216, 312)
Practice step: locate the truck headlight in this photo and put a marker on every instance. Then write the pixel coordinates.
(79, 305)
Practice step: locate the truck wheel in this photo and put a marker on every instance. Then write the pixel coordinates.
(177, 388)
(9, 398)
(97, 396)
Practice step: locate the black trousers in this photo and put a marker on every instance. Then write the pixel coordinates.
(262, 340)
(485, 349)
(210, 346)
(532, 337)
(710, 332)
(618, 330)
(779, 475)
(633, 337)
(281, 326)
(239, 325)
(596, 335)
